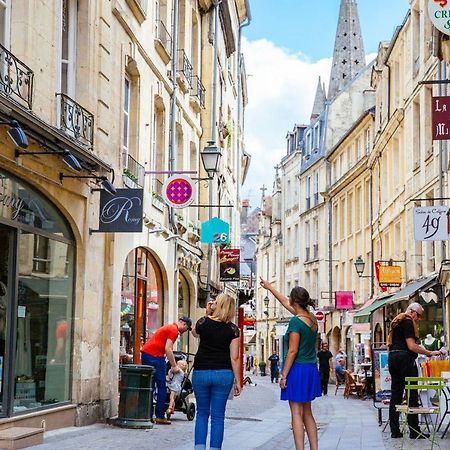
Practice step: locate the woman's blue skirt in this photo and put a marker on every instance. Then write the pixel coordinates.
(302, 383)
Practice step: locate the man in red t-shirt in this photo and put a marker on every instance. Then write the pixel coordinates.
(153, 354)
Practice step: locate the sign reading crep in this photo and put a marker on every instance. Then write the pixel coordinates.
(121, 213)
(439, 12)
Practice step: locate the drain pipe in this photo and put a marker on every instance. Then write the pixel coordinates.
(213, 133)
(173, 107)
(240, 111)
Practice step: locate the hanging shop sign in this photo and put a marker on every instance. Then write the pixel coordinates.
(178, 191)
(440, 117)
(390, 276)
(215, 231)
(377, 265)
(344, 299)
(121, 213)
(439, 13)
(431, 223)
(229, 264)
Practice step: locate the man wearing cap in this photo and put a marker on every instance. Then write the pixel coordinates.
(403, 349)
(160, 345)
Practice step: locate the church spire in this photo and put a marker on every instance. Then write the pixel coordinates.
(348, 57)
(319, 101)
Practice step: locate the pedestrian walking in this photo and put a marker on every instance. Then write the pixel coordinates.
(299, 382)
(325, 358)
(274, 360)
(160, 345)
(216, 368)
(403, 349)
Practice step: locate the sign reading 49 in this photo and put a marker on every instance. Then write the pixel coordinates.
(431, 223)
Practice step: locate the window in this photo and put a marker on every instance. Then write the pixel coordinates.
(41, 252)
(308, 143)
(126, 117)
(316, 135)
(5, 22)
(308, 192)
(316, 188)
(68, 47)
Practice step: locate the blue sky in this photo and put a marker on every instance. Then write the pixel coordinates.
(286, 48)
(308, 27)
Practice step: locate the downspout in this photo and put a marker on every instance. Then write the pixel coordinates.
(240, 107)
(173, 106)
(213, 133)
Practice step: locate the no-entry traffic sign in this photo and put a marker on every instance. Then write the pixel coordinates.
(320, 316)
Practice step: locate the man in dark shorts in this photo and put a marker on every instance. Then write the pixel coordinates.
(403, 350)
(325, 358)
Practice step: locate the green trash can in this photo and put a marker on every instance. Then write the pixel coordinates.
(136, 396)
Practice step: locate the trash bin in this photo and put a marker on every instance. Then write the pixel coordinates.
(136, 396)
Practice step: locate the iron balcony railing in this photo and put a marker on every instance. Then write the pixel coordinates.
(198, 90)
(163, 36)
(76, 121)
(16, 78)
(133, 170)
(185, 66)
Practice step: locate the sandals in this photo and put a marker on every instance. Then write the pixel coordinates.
(170, 410)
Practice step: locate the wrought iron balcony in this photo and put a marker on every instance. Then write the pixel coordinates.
(198, 90)
(133, 170)
(16, 78)
(163, 37)
(76, 121)
(185, 66)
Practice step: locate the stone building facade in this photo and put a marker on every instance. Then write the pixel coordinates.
(92, 85)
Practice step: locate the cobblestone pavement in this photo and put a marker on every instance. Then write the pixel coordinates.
(257, 420)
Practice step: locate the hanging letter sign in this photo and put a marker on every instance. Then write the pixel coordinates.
(431, 223)
(121, 213)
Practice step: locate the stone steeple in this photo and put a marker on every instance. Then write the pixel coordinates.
(319, 101)
(348, 57)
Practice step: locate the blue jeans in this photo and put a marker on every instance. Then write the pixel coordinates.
(159, 379)
(211, 389)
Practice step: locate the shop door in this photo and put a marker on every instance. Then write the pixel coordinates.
(7, 239)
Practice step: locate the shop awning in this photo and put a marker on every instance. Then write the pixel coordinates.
(363, 315)
(412, 288)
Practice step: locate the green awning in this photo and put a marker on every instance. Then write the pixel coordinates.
(363, 315)
(412, 288)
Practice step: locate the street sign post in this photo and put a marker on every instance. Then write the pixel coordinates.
(320, 316)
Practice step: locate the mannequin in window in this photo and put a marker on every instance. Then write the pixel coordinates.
(431, 343)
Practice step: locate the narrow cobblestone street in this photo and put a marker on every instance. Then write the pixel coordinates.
(255, 421)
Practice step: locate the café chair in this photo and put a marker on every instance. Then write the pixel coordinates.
(446, 394)
(427, 384)
(340, 382)
(352, 386)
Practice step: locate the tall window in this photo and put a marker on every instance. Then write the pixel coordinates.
(68, 46)
(126, 117)
(308, 192)
(5, 21)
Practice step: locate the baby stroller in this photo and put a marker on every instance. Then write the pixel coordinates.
(183, 402)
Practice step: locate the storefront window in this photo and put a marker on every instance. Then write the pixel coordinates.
(44, 321)
(183, 309)
(37, 255)
(141, 305)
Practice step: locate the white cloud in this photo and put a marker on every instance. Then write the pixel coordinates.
(281, 90)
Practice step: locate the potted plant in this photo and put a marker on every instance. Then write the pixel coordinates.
(262, 368)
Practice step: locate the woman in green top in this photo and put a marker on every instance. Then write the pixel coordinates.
(300, 380)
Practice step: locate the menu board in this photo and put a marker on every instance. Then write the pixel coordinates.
(382, 377)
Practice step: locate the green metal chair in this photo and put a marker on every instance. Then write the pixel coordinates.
(427, 384)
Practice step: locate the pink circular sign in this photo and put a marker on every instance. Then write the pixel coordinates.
(178, 191)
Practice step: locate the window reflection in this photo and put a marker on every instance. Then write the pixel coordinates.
(44, 321)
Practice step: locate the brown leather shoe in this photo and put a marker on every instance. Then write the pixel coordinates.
(162, 421)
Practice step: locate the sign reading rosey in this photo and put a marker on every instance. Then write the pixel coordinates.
(178, 191)
(121, 213)
(439, 12)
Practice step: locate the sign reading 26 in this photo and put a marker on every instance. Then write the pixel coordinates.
(220, 238)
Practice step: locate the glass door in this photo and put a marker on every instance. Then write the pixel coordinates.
(6, 288)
